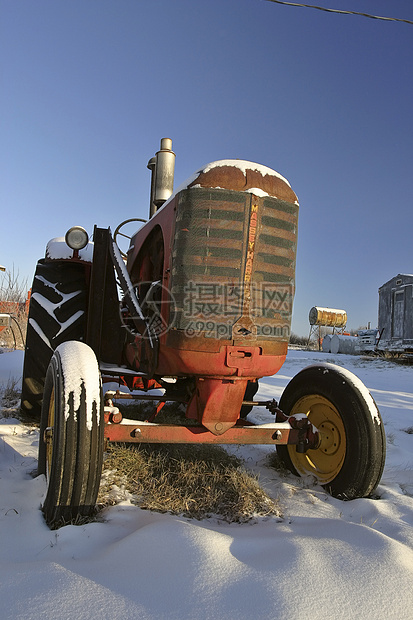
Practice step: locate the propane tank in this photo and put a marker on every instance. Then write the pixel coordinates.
(328, 317)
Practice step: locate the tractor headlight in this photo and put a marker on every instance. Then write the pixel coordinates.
(77, 238)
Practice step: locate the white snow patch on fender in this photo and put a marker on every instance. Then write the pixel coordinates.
(57, 249)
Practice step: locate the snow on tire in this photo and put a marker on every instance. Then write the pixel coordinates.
(57, 313)
(71, 434)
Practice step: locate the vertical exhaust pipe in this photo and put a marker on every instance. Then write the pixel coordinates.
(162, 167)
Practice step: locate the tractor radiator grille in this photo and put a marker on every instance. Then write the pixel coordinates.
(218, 278)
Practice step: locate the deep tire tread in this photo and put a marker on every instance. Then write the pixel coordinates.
(77, 450)
(52, 281)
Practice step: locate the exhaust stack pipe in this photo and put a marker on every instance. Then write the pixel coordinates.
(162, 167)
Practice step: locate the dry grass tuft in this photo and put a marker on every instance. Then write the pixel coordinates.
(193, 481)
(11, 392)
(10, 398)
(276, 463)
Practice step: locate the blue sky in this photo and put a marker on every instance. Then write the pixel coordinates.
(88, 88)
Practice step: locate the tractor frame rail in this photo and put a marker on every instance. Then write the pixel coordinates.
(148, 432)
(288, 430)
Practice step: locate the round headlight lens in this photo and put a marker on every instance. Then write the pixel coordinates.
(77, 238)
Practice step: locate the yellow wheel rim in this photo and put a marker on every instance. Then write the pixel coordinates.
(327, 460)
(49, 434)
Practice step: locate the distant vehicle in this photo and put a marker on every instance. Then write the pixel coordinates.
(367, 340)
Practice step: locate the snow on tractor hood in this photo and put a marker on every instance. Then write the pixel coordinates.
(242, 176)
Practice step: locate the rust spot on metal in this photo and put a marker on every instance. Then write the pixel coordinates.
(230, 177)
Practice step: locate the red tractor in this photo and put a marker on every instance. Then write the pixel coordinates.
(200, 306)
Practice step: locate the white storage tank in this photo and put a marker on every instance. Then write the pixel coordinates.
(344, 344)
(326, 346)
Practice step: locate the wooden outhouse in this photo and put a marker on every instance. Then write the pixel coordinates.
(396, 315)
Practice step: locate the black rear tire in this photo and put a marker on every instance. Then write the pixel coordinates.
(57, 314)
(350, 459)
(71, 434)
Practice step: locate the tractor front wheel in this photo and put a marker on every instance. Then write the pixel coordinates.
(350, 458)
(71, 434)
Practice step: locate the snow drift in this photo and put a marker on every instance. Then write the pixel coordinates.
(325, 558)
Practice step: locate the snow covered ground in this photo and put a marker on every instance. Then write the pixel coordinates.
(324, 559)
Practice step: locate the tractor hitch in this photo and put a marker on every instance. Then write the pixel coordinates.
(309, 437)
